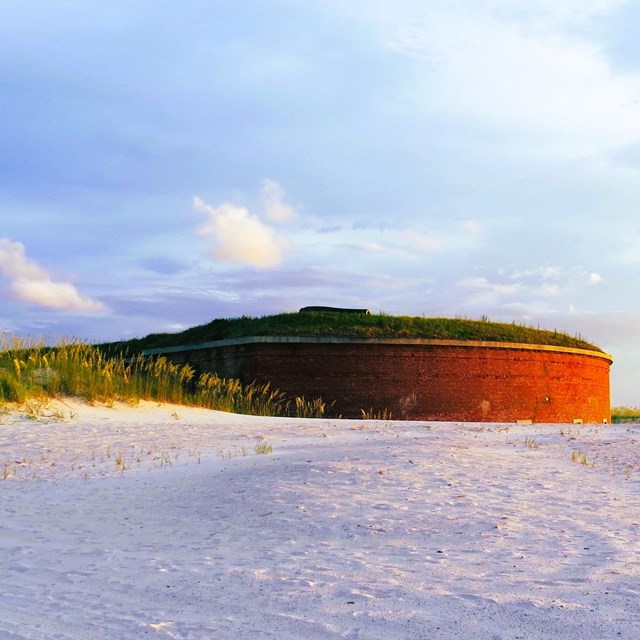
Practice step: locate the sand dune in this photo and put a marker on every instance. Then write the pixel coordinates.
(163, 522)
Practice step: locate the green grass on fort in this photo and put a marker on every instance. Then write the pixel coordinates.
(356, 325)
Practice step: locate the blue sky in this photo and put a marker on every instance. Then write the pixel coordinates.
(165, 163)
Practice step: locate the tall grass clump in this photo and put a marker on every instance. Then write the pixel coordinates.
(30, 370)
(625, 414)
(309, 408)
(155, 379)
(213, 392)
(222, 394)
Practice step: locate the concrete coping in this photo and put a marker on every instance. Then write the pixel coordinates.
(231, 342)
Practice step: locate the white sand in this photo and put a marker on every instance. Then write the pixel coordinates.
(347, 530)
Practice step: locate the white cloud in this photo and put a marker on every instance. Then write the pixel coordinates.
(369, 247)
(404, 245)
(15, 264)
(486, 294)
(550, 289)
(530, 292)
(56, 295)
(238, 236)
(421, 241)
(272, 196)
(552, 278)
(484, 285)
(31, 283)
(541, 273)
(471, 226)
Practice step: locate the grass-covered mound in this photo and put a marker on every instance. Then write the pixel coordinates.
(354, 325)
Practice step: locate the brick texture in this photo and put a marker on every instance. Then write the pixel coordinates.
(423, 381)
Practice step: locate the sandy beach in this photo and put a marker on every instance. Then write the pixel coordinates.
(160, 521)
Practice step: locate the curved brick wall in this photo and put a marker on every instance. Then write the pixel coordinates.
(419, 379)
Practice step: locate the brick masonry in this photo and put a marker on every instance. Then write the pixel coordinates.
(419, 379)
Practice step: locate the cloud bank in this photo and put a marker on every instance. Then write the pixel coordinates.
(31, 283)
(522, 66)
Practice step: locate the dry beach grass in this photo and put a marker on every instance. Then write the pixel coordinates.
(32, 374)
(164, 521)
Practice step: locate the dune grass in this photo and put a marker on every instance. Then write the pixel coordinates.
(625, 414)
(33, 371)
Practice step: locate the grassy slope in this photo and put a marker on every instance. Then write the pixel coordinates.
(353, 326)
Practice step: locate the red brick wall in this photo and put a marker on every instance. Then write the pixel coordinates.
(423, 380)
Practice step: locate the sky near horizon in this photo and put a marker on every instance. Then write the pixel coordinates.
(166, 163)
